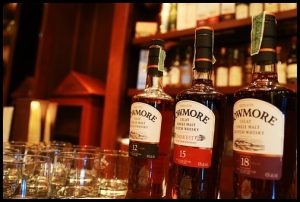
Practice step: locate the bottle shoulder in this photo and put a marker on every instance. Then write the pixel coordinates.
(203, 91)
(252, 90)
(153, 94)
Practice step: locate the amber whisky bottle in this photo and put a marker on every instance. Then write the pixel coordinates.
(199, 128)
(150, 135)
(264, 124)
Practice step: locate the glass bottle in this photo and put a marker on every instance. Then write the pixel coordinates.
(281, 66)
(222, 70)
(199, 128)
(174, 73)
(292, 62)
(235, 70)
(150, 135)
(186, 68)
(264, 126)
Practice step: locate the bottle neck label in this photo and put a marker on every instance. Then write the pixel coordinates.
(145, 128)
(257, 31)
(194, 134)
(258, 135)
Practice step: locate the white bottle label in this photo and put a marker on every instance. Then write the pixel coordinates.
(145, 123)
(235, 76)
(292, 71)
(258, 136)
(222, 76)
(259, 124)
(194, 124)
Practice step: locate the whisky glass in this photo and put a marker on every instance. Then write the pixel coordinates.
(11, 174)
(76, 175)
(113, 174)
(35, 175)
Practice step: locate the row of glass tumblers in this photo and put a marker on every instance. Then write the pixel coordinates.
(61, 170)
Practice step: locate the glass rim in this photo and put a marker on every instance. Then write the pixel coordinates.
(113, 152)
(46, 159)
(74, 155)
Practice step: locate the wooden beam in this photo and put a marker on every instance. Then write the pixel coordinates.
(116, 75)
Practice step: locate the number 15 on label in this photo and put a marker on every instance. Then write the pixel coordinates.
(182, 153)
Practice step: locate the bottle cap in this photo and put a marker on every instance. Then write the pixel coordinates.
(204, 36)
(158, 42)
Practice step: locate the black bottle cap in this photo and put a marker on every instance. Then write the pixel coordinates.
(158, 42)
(204, 36)
(154, 56)
(203, 48)
(267, 52)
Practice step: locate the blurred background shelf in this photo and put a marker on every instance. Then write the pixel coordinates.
(220, 26)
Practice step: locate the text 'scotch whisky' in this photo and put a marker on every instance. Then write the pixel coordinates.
(150, 135)
(264, 129)
(199, 129)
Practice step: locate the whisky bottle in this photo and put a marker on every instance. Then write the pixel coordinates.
(292, 62)
(255, 9)
(172, 17)
(264, 123)
(227, 11)
(222, 70)
(248, 68)
(175, 73)
(151, 125)
(241, 11)
(281, 66)
(235, 70)
(186, 69)
(199, 128)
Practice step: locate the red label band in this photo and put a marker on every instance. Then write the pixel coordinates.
(258, 166)
(192, 156)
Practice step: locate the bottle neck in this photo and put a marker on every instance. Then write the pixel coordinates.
(264, 74)
(202, 77)
(153, 82)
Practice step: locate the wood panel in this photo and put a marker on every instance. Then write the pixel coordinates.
(93, 39)
(115, 88)
(55, 44)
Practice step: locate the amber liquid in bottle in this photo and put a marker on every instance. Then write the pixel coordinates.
(261, 172)
(202, 183)
(148, 172)
(265, 87)
(197, 181)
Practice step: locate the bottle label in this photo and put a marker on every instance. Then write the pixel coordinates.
(292, 71)
(257, 31)
(194, 134)
(258, 135)
(145, 127)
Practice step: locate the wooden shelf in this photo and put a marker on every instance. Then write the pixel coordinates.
(226, 90)
(226, 25)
